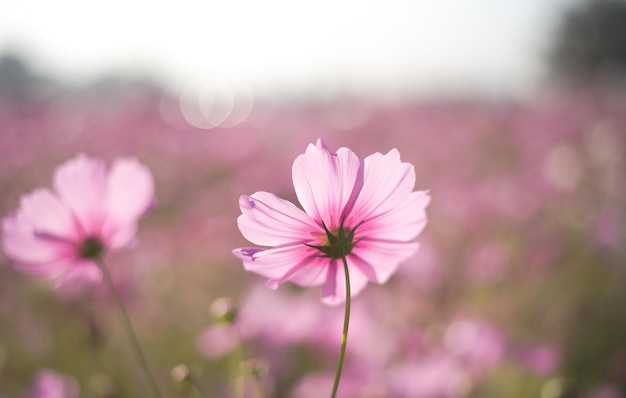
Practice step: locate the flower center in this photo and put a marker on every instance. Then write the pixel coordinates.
(337, 243)
(91, 248)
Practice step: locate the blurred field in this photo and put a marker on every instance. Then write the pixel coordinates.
(517, 289)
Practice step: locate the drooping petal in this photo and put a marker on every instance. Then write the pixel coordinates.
(81, 183)
(51, 270)
(401, 223)
(22, 244)
(79, 271)
(326, 182)
(378, 260)
(312, 275)
(334, 288)
(386, 184)
(130, 192)
(311, 272)
(329, 289)
(276, 262)
(268, 220)
(49, 216)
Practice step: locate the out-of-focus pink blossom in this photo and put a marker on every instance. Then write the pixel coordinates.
(607, 228)
(606, 391)
(279, 318)
(59, 234)
(366, 211)
(542, 360)
(436, 376)
(366, 325)
(217, 340)
(49, 384)
(353, 385)
(426, 270)
(488, 263)
(478, 344)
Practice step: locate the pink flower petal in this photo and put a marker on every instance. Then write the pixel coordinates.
(122, 237)
(381, 258)
(130, 192)
(402, 223)
(268, 220)
(79, 271)
(334, 289)
(326, 182)
(277, 262)
(48, 215)
(81, 183)
(386, 183)
(298, 264)
(51, 270)
(314, 274)
(329, 289)
(20, 243)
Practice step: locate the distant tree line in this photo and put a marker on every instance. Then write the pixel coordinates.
(590, 45)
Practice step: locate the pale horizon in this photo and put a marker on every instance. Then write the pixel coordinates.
(281, 48)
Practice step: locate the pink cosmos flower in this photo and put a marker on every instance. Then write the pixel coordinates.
(366, 211)
(49, 384)
(59, 234)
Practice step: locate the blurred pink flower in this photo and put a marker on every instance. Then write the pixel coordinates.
(488, 262)
(479, 345)
(217, 340)
(366, 211)
(541, 360)
(353, 385)
(436, 376)
(49, 384)
(607, 230)
(282, 318)
(605, 391)
(58, 235)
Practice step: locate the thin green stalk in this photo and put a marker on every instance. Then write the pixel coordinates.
(129, 329)
(344, 336)
(235, 358)
(193, 385)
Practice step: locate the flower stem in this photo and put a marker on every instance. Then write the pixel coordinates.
(235, 358)
(129, 328)
(344, 336)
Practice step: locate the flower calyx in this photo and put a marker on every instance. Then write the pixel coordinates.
(91, 248)
(338, 243)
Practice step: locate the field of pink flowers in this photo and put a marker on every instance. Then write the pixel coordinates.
(517, 289)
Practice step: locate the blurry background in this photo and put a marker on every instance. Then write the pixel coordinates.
(513, 113)
(291, 49)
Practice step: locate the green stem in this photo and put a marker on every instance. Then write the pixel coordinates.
(129, 328)
(344, 336)
(194, 384)
(235, 358)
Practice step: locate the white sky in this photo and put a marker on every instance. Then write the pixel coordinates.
(283, 46)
